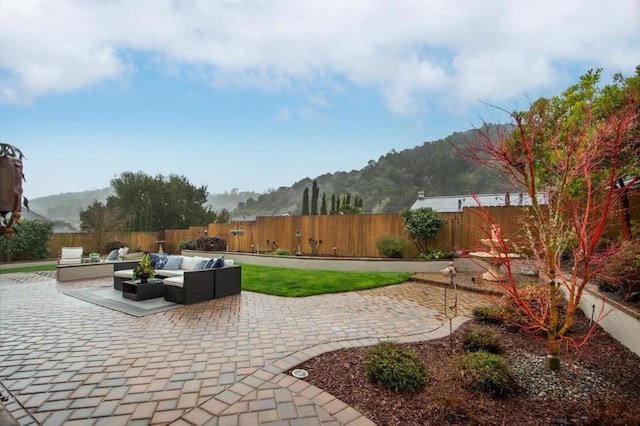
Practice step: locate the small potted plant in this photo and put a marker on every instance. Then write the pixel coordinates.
(144, 270)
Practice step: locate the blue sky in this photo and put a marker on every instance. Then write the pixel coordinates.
(255, 95)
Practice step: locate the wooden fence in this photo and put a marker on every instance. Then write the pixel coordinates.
(349, 235)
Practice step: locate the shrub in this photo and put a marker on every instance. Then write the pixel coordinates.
(437, 254)
(613, 411)
(392, 246)
(536, 297)
(486, 373)
(281, 252)
(621, 273)
(211, 244)
(187, 245)
(30, 242)
(476, 339)
(394, 367)
(113, 245)
(488, 314)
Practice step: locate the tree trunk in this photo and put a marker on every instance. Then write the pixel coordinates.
(553, 358)
(625, 212)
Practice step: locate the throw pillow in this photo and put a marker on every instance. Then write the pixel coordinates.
(210, 263)
(219, 263)
(173, 263)
(161, 262)
(200, 265)
(113, 255)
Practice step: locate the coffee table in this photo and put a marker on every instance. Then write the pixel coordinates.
(137, 290)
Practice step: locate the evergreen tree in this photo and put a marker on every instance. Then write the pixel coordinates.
(315, 192)
(348, 199)
(337, 204)
(323, 206)
(156, 203)
(305, 202)
(333, 204)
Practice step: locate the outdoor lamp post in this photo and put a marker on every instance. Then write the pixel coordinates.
(298, 235)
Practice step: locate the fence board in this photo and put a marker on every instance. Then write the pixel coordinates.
(351, 235)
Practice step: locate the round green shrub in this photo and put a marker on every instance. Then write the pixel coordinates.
(486, 373)
(476, 339)
(487, 314)
(394, 367)
(187, 245)
(392, 246)
(281, 252)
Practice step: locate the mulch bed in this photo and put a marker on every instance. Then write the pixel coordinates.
(444, 401)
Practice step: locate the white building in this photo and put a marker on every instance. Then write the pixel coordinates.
(455, 203)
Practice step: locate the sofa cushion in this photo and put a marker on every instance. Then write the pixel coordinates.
(162, 273)
(201, 265)
(124, 273)
(123, 252)
(174, 281)
(158, 261)
(189, 262)
(70, 255)
(173, 262)
(228, 262)
(113, 255)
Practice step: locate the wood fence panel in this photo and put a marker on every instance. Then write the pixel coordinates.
(351, 235)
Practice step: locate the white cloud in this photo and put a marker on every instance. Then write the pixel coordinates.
(283, 114)
(409, 51)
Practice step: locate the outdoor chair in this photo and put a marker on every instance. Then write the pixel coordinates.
(70, 256)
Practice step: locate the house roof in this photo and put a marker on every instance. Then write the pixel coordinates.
(455, 203)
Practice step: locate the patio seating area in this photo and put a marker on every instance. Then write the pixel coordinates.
(223, 361)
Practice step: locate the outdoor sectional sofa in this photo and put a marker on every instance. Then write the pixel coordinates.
(187, 284)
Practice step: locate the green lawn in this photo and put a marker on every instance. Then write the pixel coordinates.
(28, 269)
(289, 282)
(299, 282)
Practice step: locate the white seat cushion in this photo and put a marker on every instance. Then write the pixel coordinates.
(71, 255)
(170, 272)
(174, 281)
(189, 262)
(124, 273)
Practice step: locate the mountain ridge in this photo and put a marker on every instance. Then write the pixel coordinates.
(386, 185)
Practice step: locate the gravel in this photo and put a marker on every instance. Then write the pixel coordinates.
(572, 382)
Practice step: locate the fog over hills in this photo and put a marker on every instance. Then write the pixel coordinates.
(386, 185)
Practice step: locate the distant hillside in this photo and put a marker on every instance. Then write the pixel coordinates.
(66, 207)
(391, 183)
(387, 185)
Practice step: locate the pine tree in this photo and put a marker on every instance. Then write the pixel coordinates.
(333, 204)
(348, 199)
(323, 206)
(315, 192)
(305, 202)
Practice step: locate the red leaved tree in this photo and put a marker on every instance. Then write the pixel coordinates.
(568, 156)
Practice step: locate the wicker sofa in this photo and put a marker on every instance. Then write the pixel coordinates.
(198, 286)
(187, 284)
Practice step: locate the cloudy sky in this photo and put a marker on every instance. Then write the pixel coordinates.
(256, 95)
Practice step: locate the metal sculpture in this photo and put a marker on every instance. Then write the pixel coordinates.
(11, 177)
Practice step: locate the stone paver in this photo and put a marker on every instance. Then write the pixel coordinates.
(66, 361)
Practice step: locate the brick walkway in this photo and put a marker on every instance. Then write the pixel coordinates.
(222, 362)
